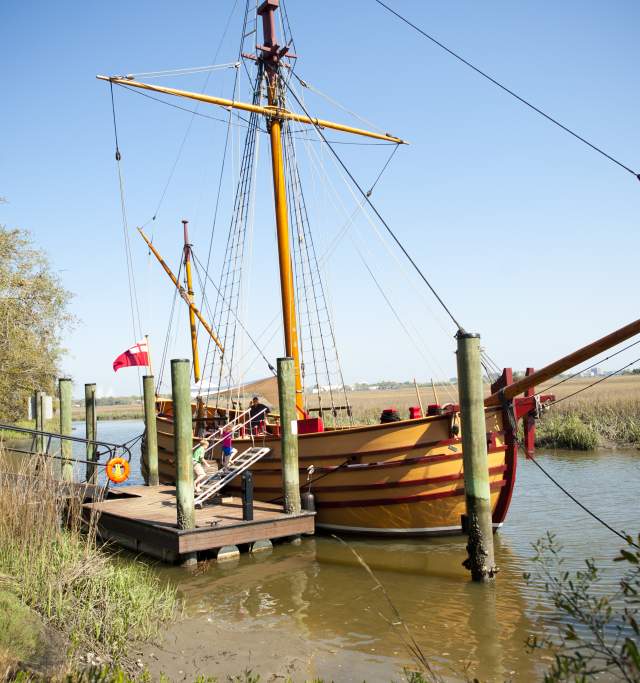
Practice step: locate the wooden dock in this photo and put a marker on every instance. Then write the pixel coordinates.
(143, 519)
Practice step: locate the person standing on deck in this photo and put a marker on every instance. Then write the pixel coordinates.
(257, 413)
(199, 465)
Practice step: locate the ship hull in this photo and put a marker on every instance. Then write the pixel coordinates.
(402, 478)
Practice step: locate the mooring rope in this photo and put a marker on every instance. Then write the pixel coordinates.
(624, 537)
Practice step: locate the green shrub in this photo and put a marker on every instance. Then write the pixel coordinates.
(566, 431)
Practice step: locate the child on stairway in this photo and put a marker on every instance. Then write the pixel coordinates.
(199, 464)
(227, 445)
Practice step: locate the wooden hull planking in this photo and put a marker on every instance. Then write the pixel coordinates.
(399, 478)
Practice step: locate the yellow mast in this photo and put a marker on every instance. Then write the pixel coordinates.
(271, 59)
(246, 106)
(192, 315)
(271, 55)
(181, 291)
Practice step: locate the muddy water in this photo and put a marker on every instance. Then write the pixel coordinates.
(313, 610)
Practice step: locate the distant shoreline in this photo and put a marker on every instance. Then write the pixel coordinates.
(607, 415)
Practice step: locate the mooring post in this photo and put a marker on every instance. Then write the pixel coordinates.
(289, 435)
(481, 561)
(247, 496)
(39, 418)
(151, 429)
(183, 447)
(91, 428)
(65, 385)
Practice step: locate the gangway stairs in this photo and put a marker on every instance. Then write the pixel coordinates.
(236, 465)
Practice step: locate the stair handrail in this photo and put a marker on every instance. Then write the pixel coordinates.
(234, 425)
(229, 472)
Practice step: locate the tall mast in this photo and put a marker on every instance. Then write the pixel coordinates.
(192, 315)
(272, 53)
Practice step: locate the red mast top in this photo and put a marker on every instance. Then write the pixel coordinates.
(272, 53)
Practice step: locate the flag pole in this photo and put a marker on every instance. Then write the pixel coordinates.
(149, 366)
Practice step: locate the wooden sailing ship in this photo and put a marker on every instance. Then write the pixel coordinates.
(403, 477)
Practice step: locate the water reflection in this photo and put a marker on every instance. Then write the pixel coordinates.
(319, 591)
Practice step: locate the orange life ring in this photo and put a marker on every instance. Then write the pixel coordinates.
(118, 470)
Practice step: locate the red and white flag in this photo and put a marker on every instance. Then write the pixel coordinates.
(138, 354)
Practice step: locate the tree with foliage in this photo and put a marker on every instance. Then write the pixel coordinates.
(596, 633)
(33, 315)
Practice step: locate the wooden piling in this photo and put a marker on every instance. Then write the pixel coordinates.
(183, 447)
(91, 428)
(65, 386)
(151, 430)
(289, 435)
(39, 419)
(479, 527)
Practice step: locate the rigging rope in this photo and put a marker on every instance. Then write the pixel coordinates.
(133, 295)
(245, 121)
(186, 70)
(194, 113)
(165, 348)
(410, 336)
(308, 86)
(312, 292)
(593, 384)
(244, 329)
(624, 537)
(377, 213)
(601, 360)
(508, 90)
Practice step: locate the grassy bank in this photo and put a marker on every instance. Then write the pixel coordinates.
(583, 425)
(124, 411)
(12, 435)
(53, 566)
(607, 414)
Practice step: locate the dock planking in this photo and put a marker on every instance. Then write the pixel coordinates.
(143, 519)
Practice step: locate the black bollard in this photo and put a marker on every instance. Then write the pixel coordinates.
(247, 496)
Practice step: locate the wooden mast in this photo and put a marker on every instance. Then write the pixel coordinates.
(271, 55)
(247, 106)
(182, 291)
(190, 293)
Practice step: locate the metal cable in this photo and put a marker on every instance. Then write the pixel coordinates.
(602, 360)
(377, 213)
(244, 329)
(507, 90)
(625, 538)
(593, 384)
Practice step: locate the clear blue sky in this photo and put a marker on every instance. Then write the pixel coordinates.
(531, 237)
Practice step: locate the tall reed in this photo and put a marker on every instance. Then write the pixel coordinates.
(585, 424)
(61, 572)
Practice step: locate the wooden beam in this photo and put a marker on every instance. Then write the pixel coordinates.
(275, 112)
(566, 362)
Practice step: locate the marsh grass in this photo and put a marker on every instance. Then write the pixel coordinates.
(57, 568)
(584, 425)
